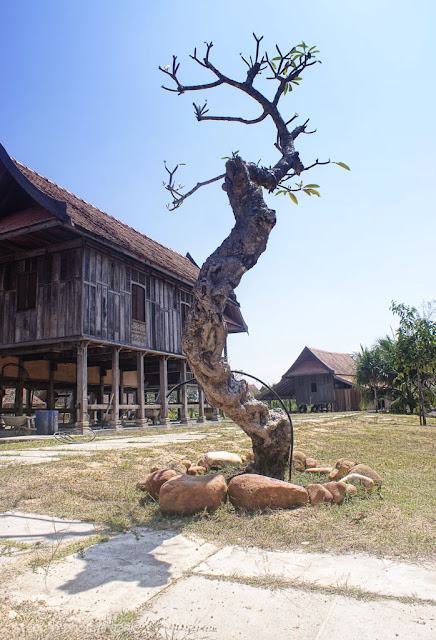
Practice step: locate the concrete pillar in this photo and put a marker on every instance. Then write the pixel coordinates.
(82, 386)
(200, 405)
(163, 389)
(140, 393)
(115, 422)
(183, 394)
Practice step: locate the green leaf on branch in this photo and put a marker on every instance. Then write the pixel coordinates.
(293, 197)
(312, 186)
(343, 165)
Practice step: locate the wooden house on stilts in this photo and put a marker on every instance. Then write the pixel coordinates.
(319, 380)
(91, 310)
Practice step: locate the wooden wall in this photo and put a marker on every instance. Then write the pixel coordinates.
(56, 313)
(107, 304)
(324, 389)
(347, 399)
(86, 292)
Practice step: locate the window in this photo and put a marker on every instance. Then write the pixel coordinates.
(138, 302)
(47, 268)
(7, 277)
(313, 387)
(26, 285)
(63, 267)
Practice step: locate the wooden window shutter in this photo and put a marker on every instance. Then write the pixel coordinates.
(138, 303)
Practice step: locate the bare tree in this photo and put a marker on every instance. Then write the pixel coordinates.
(204, 332)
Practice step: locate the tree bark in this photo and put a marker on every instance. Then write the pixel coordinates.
(204, 332)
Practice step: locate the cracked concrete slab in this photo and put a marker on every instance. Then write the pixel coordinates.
(221, 610)
(161, 574)
(30, 527)
(123, 573)
(386, 576)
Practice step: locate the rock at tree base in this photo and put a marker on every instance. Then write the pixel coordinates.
(299, 461)
(195, 470)
(337, 489)
(155, 480)
(311, 463)
(366, 471)
(341, 469)
(191, 494)
(170, 462)
(357, 478)
(219, 460)
(318, 493)
(350, 490)
(251, 491)
(318, 470)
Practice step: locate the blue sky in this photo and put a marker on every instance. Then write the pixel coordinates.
(81, 103)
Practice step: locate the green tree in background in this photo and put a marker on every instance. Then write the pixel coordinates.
(402, 368)
(416, 351)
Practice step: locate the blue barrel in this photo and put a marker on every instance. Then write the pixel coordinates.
(46, 422)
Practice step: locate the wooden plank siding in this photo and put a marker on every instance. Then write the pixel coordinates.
(56, 313)
(107, 304)
(86, 292)
(314, 389)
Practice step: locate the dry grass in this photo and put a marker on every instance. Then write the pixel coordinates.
(400, 521)
(28, 621)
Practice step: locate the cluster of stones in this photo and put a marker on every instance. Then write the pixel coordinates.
(344, 478)
(181, 487)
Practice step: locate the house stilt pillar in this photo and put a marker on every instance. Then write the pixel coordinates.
(183, 394)
(140, 418)
(50, 390)
(200, 405)
(82, 386)
(115, 422)
(163, 389)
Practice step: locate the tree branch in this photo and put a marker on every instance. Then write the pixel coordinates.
(286, 70)
(178, 197)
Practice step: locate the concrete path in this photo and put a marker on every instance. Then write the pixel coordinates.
(29, 528)
(228, 592)
(42, 454)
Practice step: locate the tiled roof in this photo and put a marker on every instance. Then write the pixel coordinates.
(341, 363)
(100, 224)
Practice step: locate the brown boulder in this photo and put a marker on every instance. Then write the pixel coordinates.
(311, 463)
(299, 461)
(196, 470)
(169, 462)
(328, 496)
(317, 493)
(251, 491)
(155, 480)
(337, 489)
(341, 469)
(190, 494)
(350, 490)
(220, 460)
(366, 471)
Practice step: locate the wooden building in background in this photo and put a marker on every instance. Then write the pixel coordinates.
(91, 310)
(321, 380)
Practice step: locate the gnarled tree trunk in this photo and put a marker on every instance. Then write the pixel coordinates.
(204, 332)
